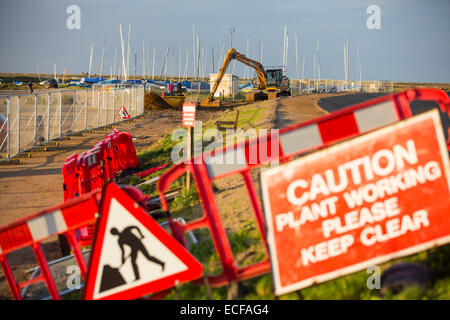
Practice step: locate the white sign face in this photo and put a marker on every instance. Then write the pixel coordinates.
(188, 119)
(132, 255)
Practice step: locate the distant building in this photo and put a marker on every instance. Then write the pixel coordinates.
(229, 85)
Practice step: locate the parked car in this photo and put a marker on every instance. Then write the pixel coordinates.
(51, 83)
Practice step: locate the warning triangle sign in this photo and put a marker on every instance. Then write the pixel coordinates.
(132, 254)
(123, 113)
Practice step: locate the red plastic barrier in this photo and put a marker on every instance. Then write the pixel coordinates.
(94, 168)
(92, 178)
(108, 156)
(91, 172)
(298, 139)
(71, 179)
(125, 152)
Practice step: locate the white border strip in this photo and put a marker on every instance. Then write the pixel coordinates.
(47, 225)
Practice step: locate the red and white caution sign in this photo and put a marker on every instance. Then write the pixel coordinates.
(132, 254)
(188, 115)
(358, 203)
(123, 113)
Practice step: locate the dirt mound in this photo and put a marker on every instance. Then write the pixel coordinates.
(154, 102)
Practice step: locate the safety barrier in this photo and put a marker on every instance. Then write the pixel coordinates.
(288, 142)
(34, 119)
(93, 169)
(64, 219)
(125, 154)
(31, 231)
(106, 147)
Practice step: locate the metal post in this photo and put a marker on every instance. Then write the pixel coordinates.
(106, 108)
(48, 118)
(98, 109)
(74, 110)
(129, 101)
(8, 119)
(123, 97)
(35, 119)
(60, 113)
(93, 98)
(86, 110)
(18, 124)
(114, 106)
(133, 99)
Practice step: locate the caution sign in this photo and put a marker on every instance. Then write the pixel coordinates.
(362, 202)
(123, 113)
(188, 119)
(132, 254)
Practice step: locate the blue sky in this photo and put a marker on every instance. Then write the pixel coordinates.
(413, 44)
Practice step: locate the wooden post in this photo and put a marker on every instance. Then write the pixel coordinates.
(189, 152)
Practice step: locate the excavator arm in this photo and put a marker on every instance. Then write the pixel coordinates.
(233, 54)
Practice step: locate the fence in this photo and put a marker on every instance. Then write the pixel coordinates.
(328, 85)
(33, 119)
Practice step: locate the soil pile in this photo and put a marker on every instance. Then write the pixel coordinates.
(154, 102)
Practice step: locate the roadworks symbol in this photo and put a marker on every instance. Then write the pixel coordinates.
(111, 277)
(132, 255)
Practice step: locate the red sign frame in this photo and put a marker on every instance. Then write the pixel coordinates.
(311, 237)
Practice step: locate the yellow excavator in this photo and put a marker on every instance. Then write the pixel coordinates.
(271, 83)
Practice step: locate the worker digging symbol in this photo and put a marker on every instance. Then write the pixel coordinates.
(111, 277)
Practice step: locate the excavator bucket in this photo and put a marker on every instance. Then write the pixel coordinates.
(207, 103)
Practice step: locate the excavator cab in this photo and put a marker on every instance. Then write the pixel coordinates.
(274, 78)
